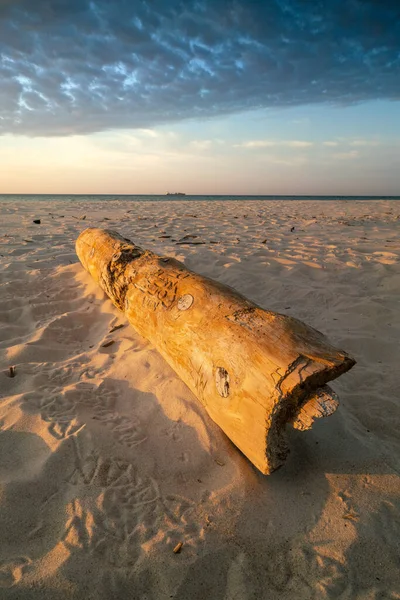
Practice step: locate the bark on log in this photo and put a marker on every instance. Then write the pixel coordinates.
(253, 370)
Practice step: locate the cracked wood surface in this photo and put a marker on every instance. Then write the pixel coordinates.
(252, 369)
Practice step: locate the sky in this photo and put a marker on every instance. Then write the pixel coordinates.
(200, 96)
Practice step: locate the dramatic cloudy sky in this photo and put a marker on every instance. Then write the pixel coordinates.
(223, 96)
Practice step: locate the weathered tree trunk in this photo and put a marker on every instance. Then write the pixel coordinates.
(253, 370)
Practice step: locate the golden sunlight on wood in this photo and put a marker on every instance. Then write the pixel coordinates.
(253, 370)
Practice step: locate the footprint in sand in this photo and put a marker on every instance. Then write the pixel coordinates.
(71, 328)
(128, 514)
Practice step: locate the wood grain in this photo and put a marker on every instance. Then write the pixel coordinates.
(254, 371)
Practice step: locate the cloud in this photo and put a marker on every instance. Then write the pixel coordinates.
(293, 161)
(256, 144)
(201, 144)
(364, 143)
(270, 143)
(148, 133)
(78, 66)
(346, 155)
(329, 143)
(298, 144)
(302, 121)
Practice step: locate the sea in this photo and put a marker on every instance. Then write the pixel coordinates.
(176, 198)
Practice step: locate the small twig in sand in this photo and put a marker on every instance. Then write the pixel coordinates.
(190, 243)
(116, 327)
(107, 344)
(178, 548)
(350, 517)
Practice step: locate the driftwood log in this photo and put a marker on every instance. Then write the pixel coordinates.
(253, 370)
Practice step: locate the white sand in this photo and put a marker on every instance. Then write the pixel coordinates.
(107, 461)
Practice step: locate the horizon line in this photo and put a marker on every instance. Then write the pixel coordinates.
(186, 195)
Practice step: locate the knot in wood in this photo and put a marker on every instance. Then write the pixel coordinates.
(185, 302)
(222, 381)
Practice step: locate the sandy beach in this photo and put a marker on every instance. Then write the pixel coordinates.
(107, 460)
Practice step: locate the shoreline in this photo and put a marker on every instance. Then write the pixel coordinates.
(203, 197)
